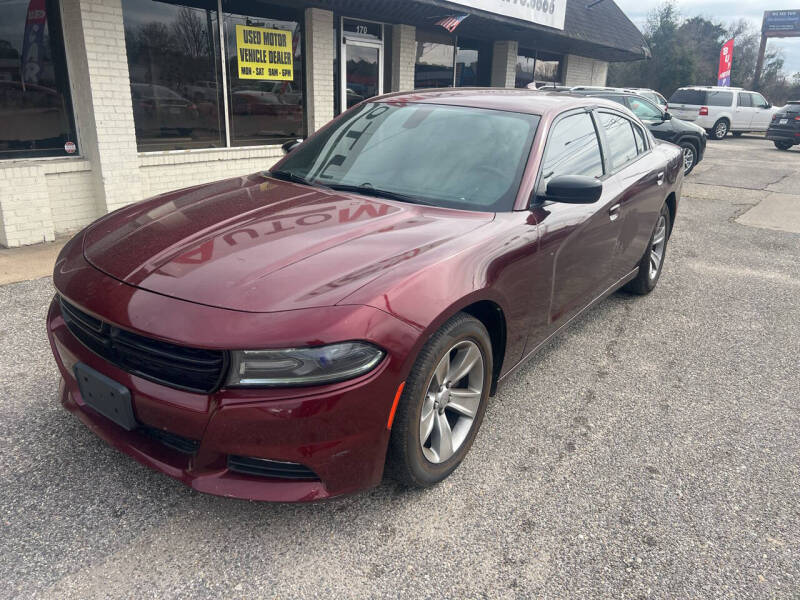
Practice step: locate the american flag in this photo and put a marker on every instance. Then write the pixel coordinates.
(450, 23)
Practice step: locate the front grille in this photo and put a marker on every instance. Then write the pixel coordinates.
(192, 369)
(270, 468)
(172, 440)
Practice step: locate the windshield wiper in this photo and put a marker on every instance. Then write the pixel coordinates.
(368, 190)
(293, 177)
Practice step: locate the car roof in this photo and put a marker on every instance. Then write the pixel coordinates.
(711, 87)
(534, 102)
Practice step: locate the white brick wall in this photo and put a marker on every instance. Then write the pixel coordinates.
(98, 64)
(404, 56)
(165, 171)
(319, 62)
(579, 70)
(504, 64)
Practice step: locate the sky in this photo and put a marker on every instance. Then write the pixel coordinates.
(726, 11)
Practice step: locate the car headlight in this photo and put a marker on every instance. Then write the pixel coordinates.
(302, 366)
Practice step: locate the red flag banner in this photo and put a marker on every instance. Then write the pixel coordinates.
(725, 64)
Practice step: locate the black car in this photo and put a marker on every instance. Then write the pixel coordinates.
(662, 125)
(784, 130)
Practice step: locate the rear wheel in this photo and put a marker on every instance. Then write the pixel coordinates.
(720, 129)
(443, 403)
(689, 157)
(653, 260)
(783, 145)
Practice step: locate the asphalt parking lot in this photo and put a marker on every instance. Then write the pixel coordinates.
(651, 451)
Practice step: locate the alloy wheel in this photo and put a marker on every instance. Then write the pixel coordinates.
(451, 402)
(688, 159)
(721, 130)
(657, 247)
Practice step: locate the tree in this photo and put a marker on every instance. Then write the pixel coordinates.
(686, 52)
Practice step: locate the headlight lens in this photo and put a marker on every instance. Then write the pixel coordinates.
(302, 366)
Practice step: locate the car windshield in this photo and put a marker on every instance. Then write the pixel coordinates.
(448, 156)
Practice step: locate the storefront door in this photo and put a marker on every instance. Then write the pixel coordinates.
(361, 74)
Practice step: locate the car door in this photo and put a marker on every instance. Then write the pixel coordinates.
(638, 173)
(743, 113)
(581, 239)
(762, 112)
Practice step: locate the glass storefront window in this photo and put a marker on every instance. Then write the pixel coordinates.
(173, 60)
(540, 67)
(35, 108)
(473, 63)
(435, 60)
(264, 109)
(176, 73)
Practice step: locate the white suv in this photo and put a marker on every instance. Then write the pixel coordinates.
(721, 110)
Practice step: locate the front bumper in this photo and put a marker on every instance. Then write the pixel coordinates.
(338, 431)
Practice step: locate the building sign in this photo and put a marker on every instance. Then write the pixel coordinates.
(264, 53)
(781, 23)
(550, 13)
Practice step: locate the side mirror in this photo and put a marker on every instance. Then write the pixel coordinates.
(665, 116)
(290, 145)
(574, 189)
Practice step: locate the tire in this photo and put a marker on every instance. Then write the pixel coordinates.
(646, 280)
(720, 129)
(408, 460)
(783, 145)
(689, 156)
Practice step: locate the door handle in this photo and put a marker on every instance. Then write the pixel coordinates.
(661, 178)
(613, 212)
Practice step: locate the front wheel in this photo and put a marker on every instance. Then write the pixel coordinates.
(783, 145)
(442, 404)
(653, 260)
(720, 129)
(689, 157)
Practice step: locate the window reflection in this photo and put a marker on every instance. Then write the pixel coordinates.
(538, 67)
(175, 75)
(434, 64)
(35, 109)
(264, 111)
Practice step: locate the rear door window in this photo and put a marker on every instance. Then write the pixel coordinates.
(622, 146)
(716, 98)
(573, 149)
(693, 97)
(744, 100)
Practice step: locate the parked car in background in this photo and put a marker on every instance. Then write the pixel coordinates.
(284, 335)
(722, 110)
(784, 130)
(651, 95)
(690, 137)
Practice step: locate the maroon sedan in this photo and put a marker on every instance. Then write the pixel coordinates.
(287, 335)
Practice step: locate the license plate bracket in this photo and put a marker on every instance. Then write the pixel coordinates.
(106, 396)
(783, 121)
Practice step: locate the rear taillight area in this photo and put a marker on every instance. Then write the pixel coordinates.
(703, 111)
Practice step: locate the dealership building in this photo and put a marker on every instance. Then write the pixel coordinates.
(106, 102)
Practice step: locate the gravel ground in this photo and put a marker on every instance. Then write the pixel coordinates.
(651, 451)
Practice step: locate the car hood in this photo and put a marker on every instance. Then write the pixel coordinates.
(258, 244)
(686, 126)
